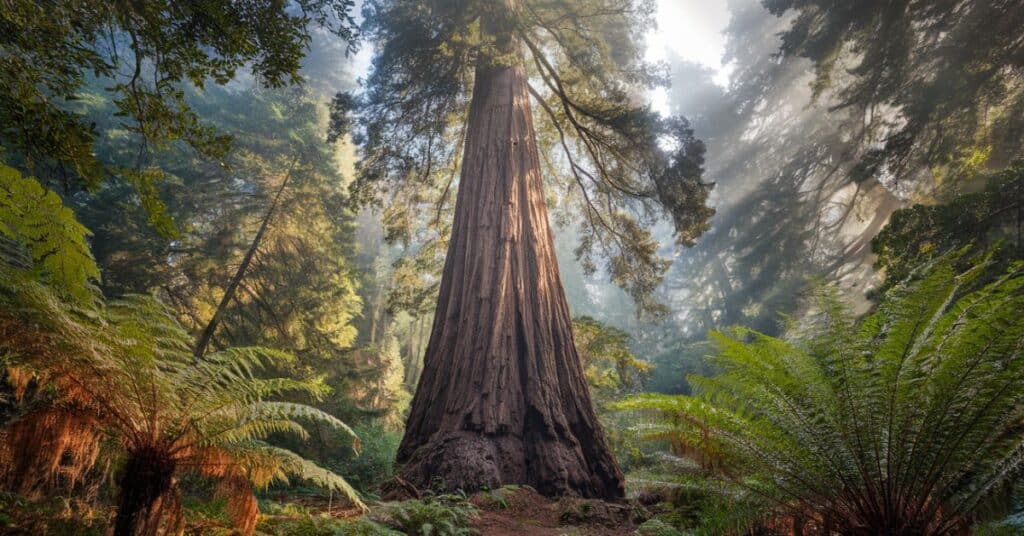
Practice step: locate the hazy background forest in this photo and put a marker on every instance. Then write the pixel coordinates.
(854, 172)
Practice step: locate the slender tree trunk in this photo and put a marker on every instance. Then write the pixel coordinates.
(413, 353)
(422, 333)
(502, 398)
(229, 293)
(144, 485)
(377, 311)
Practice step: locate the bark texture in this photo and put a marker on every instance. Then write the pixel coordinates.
(502, 398)
(144, 485)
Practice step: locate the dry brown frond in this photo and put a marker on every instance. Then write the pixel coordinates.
(233, 484)
(46, 448)
(19, 380)
(242, 507)
(212, 462)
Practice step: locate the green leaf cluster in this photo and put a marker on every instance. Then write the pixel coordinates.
(35, 224)
(981, 221)
(144, 55)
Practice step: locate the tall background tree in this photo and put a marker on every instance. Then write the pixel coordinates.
(502, 397)
(811, 159)
(144, 53)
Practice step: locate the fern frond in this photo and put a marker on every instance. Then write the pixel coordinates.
(908, 418)
(265, 464)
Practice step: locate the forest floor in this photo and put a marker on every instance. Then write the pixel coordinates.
(524, 511)
(514, 510)
(510, 510)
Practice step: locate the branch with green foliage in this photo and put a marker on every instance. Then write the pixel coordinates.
(611, 367)
(144, 53)
(929, 82)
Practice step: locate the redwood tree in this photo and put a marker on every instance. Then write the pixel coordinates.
(502, 397)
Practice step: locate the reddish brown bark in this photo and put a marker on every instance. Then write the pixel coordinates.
(502, 398)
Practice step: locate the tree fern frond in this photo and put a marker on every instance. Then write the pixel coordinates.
(265, 464)
(301, 412)
(127, 368)
(228, 431)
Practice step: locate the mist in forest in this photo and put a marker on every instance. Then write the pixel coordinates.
(786, 214)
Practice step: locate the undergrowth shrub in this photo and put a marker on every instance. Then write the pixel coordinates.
(373, 464)
(441, 515)
(306, 524)
(51, 516)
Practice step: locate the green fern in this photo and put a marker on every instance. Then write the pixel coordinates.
(448, 515)
(903, 422)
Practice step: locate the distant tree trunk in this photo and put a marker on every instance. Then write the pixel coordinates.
(377, 311)
(502, 398)
(422, 333)
(413, 352)
(203, 342)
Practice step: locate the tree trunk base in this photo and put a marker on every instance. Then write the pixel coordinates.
(145, 498)
(471, 461)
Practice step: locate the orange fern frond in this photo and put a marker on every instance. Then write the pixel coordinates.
(242, 507)
(48, 447)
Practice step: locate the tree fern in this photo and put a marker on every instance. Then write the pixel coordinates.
(123, 370)
(904, 422)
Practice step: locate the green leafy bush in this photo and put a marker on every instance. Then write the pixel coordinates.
(373, 464)
(443, 515)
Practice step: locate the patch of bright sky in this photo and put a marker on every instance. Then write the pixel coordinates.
(691, 30)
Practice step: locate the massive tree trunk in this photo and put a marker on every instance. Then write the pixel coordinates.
(502, 398)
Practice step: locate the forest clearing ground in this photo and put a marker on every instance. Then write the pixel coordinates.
(510, 510)
(517, 511)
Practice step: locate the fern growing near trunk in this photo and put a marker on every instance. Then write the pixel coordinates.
(119, 377)
(904, 422)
